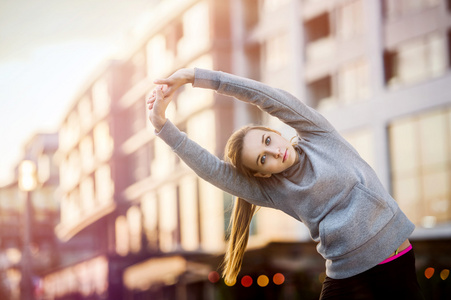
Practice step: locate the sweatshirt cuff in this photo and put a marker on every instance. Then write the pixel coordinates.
(206, 79)
(170, 134)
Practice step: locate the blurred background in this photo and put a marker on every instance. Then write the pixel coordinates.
(94, 206)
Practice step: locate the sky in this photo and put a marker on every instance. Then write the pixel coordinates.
(48, 49)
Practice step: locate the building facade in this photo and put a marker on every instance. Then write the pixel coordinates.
(28, 245)
(378, 70)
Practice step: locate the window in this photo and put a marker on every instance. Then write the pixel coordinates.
(350, 20)
(211, 217)
(122, 236)
(101, 98)
(317, 28)
(85, 112)
(416, 60)
(104, 184)
(353, 81)
(87, 153)
(393, 8)
(421, 166)
(362, 141)
(158, 58)
(134, 228)
(87, 194)
(272, 5)
(196, 30)
(189, 213)
(168, 221)
(103, 142)
(320, 92)
(277, 52)
(149, 207)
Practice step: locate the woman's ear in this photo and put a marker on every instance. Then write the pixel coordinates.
(261, 175)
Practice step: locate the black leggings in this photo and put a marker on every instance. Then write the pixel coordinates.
(394, 280)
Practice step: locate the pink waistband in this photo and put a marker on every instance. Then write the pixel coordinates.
(397, 255)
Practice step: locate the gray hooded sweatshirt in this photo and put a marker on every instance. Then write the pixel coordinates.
(332, 190)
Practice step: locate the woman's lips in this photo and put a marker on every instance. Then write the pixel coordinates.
(285, 156)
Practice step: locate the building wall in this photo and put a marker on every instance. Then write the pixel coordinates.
(378, 70)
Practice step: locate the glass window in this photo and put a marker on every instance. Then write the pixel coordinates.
(421, 166)
(103, 142)
(168, 216)
(271, 5)
(321, 94)
(362, 141)
(196, 30)
(350, 20)
(74, 168)
(353, 82)
(211, 217)
(393, 8)
(103, 184)
(158, 58)
(87, 194)
(277, 52)
(72, 133)
(202, 129)
(189, 213)
(149, 207)
(135, 228)
(85, 112)
(416, 60)
(122, 236)
(101, 98)
(87, 153)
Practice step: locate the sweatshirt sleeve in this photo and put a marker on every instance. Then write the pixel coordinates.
(210, 168)
(276, 102)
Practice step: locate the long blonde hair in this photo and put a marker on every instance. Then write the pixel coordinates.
(243, 211)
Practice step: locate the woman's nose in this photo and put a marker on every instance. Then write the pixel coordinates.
(274, 152)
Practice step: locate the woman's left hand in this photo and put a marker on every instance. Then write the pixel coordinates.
(157, 104)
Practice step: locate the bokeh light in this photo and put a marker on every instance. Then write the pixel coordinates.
(278, 278)
(213, 277)
(246, 281)
(444, 274)
(230, 283)
(262, 280)
(429, 272)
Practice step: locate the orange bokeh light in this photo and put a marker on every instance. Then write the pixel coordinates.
(444, 274)
(278, 278)
(262, 280)
(429, 272)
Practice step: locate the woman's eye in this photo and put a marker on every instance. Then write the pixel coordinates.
(268, 141)
(263, 159)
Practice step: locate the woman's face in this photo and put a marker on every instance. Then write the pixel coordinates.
(267, 152)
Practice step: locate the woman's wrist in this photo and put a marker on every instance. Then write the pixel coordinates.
(158, 123)
(188, 75)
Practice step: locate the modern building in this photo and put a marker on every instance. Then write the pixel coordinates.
(378, 70)
(28, 245)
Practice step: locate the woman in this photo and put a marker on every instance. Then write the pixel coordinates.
(320, 181)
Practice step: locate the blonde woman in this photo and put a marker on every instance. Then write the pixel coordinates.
(320, 181)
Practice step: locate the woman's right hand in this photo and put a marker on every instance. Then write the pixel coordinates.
(176, 80)
(157, 105)
(162, 95)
